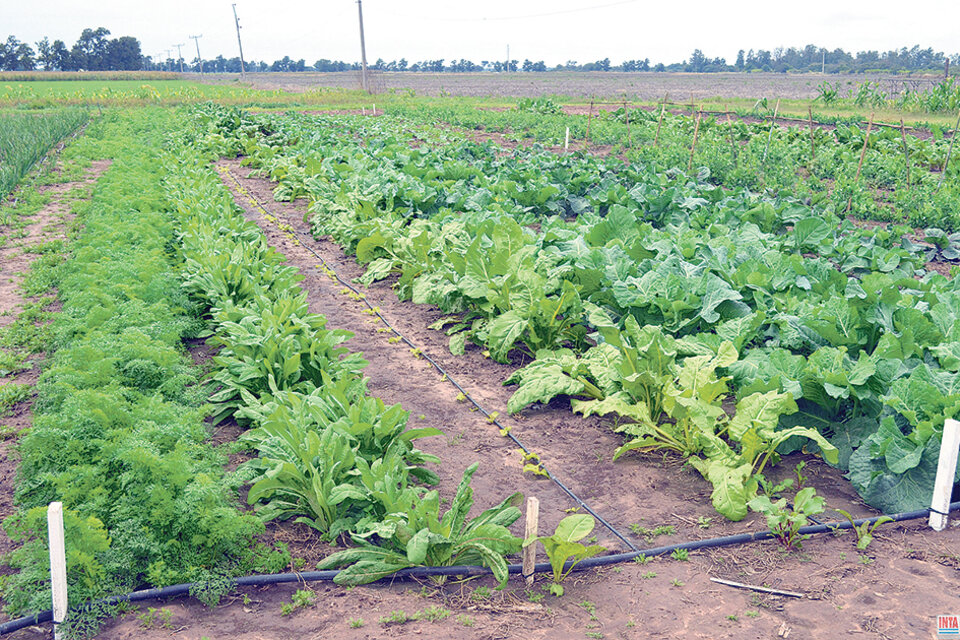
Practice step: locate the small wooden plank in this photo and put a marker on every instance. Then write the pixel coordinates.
(532, 531)
(58, 565)
(750, 587)
(946, 470)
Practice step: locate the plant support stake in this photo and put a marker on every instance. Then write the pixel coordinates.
(530, 533)
(58, 565)
(589, 118)
(566, 141)
(946, 471)
(693, 147)
(813, 147)
(946, 163)
(863, 154)
(663, 108)
(906, 152)
(773, 124)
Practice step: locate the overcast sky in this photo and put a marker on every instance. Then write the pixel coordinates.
(550, 30)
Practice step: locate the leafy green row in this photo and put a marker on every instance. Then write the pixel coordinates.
(118, 433)
(329, 455)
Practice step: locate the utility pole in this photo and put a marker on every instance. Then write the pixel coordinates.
(823, 63)
(167, 59)
(243, 73)
(179, 56)
(196, 41)
(508, 58)
(363, 51)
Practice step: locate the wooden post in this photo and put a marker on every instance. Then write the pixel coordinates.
(863, 151)
(374, 108)
(906, 151)
(566, 141)
(363, 111)
(946, 468)
(733, 143)
(663, 107)
(813, 147)
(58, 565)
(626, 113)
(532, 531)
(693, 147)
(946, 163)
(773, 124)
(589, 118)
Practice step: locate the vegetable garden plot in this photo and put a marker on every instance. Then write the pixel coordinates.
(252, 300)
(822, 343)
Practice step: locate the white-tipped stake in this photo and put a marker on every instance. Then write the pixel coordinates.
(58, 565)
(566, 140)
(363, 111)
(946, 471)
(374, 109)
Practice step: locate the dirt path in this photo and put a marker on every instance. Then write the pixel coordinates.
(50, 223)
(893, 591)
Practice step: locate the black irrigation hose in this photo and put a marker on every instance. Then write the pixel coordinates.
(493, 420)
(469, 571)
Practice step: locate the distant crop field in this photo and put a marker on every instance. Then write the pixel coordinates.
(600, 85)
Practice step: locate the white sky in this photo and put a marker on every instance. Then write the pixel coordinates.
(481, 30)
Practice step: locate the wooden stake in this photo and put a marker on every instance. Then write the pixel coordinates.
(946, 468)
(693, 147)
(531, 531)
(589, 118)
(906, 152)
(863, 151)
(813, 147)
(946, 164)
(733, 144)
(773, 124)
(58, 565)
(566, 141)
(663, 107)
(626, 112)
(740, 585)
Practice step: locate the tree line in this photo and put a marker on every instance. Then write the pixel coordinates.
(95, 51)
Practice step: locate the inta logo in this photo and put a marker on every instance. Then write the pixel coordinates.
(948, 626)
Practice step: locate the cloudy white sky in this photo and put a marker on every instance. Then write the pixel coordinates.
(550, 30)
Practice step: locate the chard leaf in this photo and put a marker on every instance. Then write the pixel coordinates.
(541, 384)
(503, 334)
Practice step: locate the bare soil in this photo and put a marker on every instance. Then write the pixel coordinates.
(611, 85)
(894, 590)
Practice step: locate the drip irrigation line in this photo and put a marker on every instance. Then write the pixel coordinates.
(376, 311)
(472, 571)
